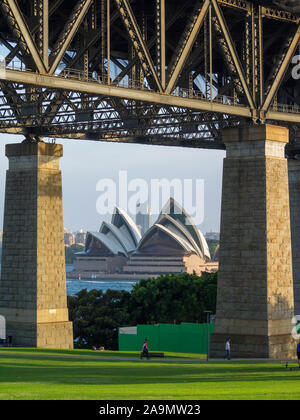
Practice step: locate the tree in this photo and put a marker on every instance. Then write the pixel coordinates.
(97, 316)
(70, 252)
(173, 297)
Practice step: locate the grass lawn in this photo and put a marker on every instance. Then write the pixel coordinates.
(43, 377)
(93, 353)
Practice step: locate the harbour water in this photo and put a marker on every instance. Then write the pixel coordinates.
(75, 285)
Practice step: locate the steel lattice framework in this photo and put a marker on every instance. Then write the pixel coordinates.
(146, 71)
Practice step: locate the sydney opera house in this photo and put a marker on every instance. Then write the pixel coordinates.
(172, 245)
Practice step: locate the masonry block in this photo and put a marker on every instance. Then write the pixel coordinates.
(33, 295)
(255, 301)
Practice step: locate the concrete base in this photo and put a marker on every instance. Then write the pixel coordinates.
(255, 301)
(54, 335)
(33, 296)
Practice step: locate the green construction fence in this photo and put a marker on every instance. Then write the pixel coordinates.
(179, 338)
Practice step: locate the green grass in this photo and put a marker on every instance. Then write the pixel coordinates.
(42, 377)
(92, 353)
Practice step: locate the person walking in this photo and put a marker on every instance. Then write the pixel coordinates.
(145, 351)
(298, 353)
(227, 349)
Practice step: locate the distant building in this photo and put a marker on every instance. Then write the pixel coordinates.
(143, 217)
(213, 236)
(1, 236)
(80, 237)
(107, 251)
(69, 237)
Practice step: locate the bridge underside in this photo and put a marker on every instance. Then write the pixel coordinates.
(159, 72)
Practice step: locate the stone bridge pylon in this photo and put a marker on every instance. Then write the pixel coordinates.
(255, 303)
(33, 279)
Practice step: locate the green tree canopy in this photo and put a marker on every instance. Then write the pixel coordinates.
(70, 252)
(97, 316)
(168, 298)
(173, 297)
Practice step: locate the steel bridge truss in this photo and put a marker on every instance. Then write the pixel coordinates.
(156, 71)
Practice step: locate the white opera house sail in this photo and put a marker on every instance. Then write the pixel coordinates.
(107, 251)
(172, 245)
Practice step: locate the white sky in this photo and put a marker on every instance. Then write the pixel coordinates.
(86, 162)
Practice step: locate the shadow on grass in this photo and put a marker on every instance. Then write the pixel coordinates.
(79, 372)
(93, 353)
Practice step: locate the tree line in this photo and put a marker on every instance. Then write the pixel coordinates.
(171, 298)
(70, 252)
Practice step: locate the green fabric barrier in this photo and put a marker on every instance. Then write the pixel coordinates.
(128, 342)
(181, 338)
(150, 332)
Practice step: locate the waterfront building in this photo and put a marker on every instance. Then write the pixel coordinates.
(80, 237)
(172, 245)
(69, 237)
(213, 236)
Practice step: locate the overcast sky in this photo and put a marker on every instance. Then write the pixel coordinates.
(85, 163)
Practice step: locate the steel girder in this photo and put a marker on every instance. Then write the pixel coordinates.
(156, 71)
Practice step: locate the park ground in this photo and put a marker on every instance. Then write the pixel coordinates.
(31, 374)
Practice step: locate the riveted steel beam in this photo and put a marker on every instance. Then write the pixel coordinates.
(282, 69)
(54, 82)
(161, 40)
(16, 20)
(186, 44)
(43, 35)
(68, 33)
(233, 54)
(283, 116)
(138, 42)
